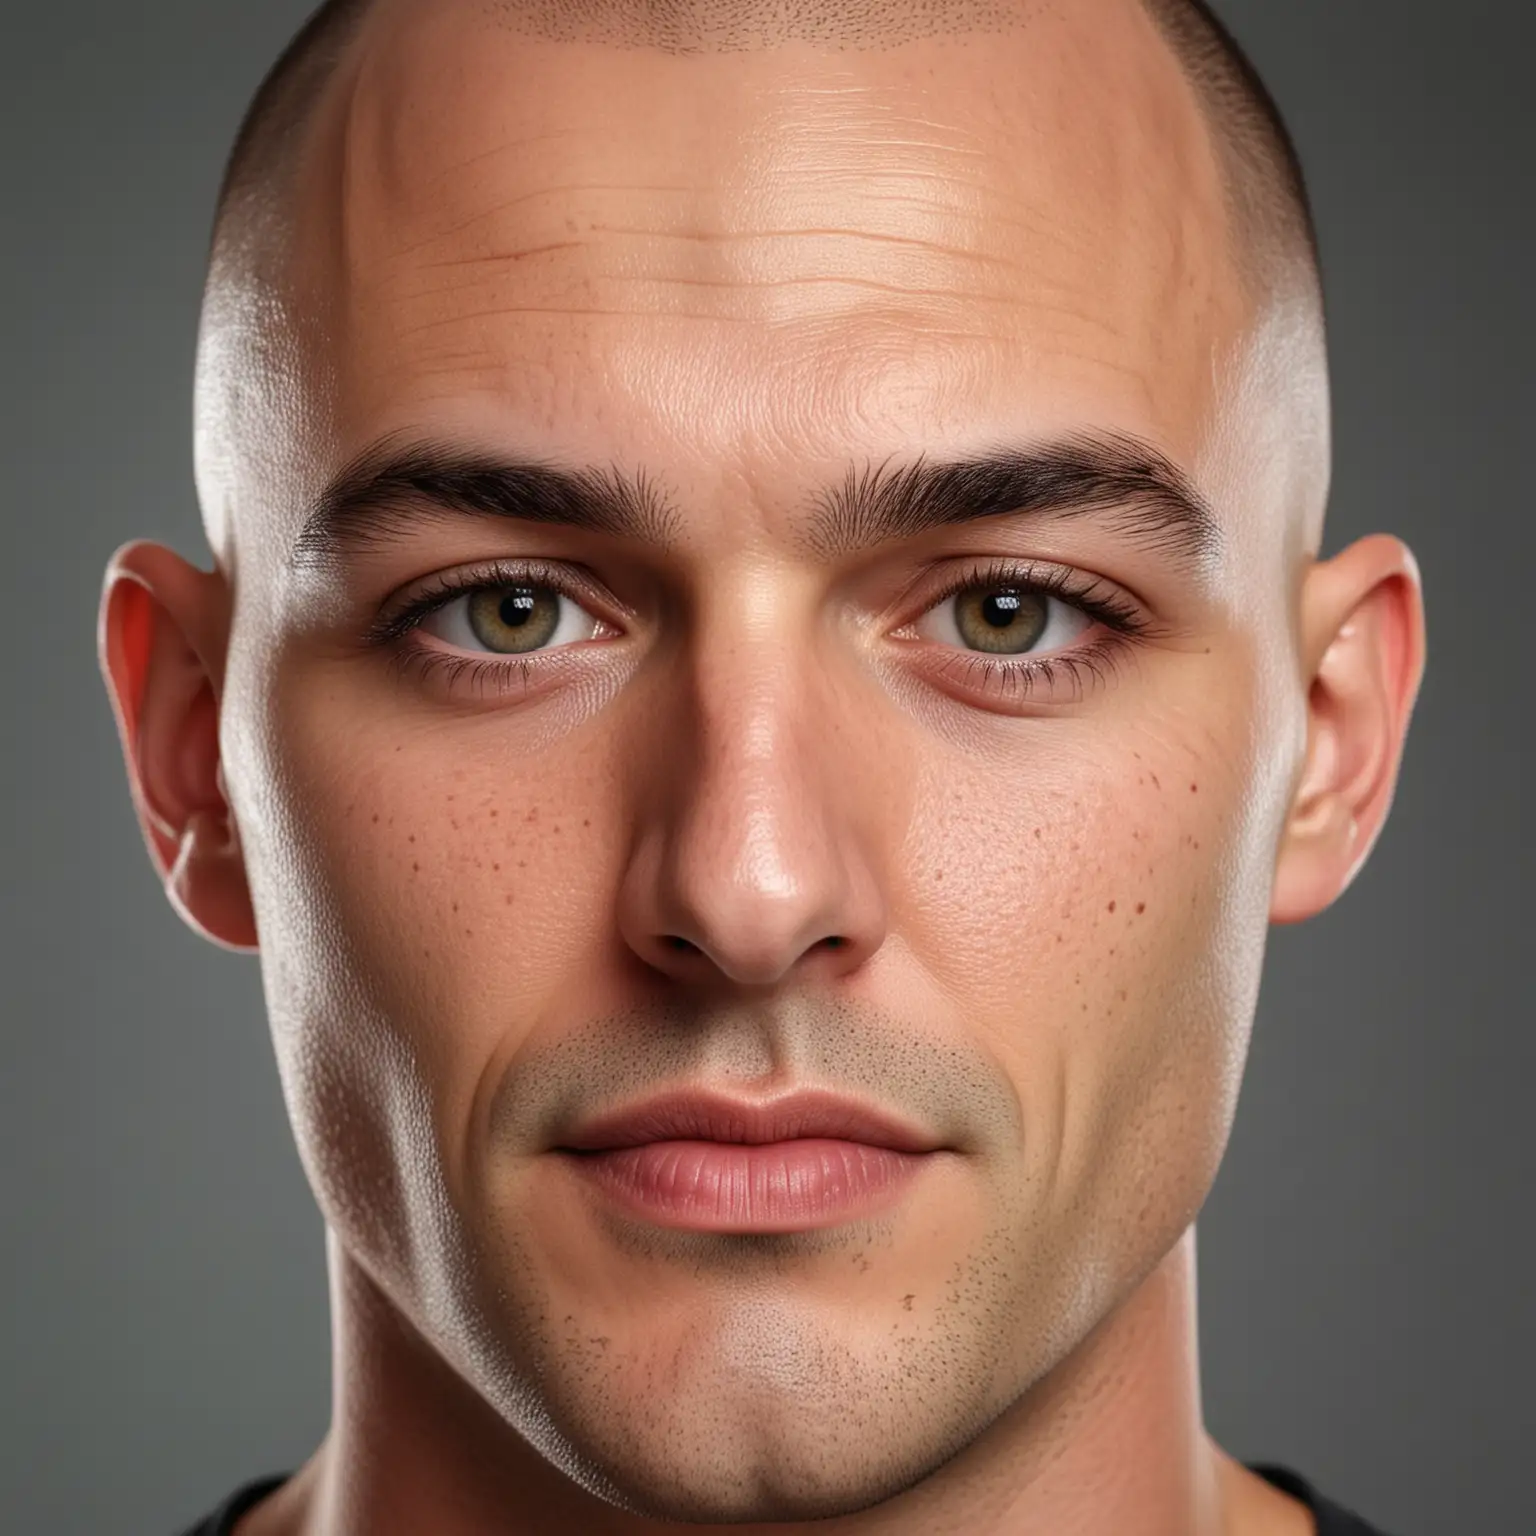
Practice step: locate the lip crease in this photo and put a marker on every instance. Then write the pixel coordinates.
(707, 1162)
(694, 1115)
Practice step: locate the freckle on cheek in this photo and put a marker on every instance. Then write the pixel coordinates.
(1141, 907)
(1111, 906)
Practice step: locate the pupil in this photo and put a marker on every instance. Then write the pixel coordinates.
(517, 609)
(1001, 609)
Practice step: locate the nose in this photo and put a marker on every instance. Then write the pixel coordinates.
(756, 849)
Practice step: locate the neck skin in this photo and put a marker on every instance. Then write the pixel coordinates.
(1112, 1441)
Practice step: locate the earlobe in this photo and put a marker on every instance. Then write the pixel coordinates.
(1363, 638)
(163, 627)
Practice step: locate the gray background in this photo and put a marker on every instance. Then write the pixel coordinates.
(1366, 1256)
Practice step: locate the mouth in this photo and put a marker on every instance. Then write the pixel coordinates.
(707, 1162)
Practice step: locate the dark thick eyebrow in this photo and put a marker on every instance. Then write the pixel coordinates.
(1147, 497)
(389, 490)
(384, 495)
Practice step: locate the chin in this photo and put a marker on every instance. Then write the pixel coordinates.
(716, 1487)
(726, 1451)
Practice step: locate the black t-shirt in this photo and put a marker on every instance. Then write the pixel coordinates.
(1331, 1519)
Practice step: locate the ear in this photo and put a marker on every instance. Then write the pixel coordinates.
(161, 641)
(1362, 627)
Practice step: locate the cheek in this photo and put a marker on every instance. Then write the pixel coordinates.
(1098, 919)
(422, 903)
(463, 888)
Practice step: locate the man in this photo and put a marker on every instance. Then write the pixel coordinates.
(765, 675)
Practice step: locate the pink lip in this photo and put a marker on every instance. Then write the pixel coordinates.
(693, 1115)
(706, 1162)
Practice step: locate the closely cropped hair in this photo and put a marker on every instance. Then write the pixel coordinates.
(1265, 186)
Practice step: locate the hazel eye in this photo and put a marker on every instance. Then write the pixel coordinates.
(510, 620)
(1002, 620)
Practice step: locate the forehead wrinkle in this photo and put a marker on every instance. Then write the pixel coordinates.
(791, 133)
(739, 261)
(931, 310)
(728, 237)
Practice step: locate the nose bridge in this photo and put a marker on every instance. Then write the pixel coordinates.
(757, 792)
(753, 856)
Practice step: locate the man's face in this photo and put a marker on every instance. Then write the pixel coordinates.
(732, 805)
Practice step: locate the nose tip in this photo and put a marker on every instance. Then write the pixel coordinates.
(762, 964)
(694, 913)
(756, 846)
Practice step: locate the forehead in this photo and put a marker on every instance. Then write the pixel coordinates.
(749, 258)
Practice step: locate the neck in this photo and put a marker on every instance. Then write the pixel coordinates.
(1111, 1441)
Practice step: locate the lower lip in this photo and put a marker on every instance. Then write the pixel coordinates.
(777, 1186)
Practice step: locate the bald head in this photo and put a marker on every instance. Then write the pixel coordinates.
(1264, 178)
(1146, 153)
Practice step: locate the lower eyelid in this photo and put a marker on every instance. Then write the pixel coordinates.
(1016, 679)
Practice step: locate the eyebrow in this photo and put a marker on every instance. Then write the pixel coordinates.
(1149, 499)
(386, 493)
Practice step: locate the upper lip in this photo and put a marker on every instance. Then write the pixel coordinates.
(701, 1115)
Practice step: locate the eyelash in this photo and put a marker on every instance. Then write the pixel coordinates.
(1014, 678)
(1017, 679)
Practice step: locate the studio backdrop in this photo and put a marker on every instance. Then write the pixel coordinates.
(1366, 1257)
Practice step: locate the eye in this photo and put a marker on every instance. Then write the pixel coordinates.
(510, 620)
(1002, 619)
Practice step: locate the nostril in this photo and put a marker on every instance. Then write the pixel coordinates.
(834, 941)
(678, 942)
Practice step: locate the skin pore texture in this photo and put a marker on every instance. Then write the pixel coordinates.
(758, 819)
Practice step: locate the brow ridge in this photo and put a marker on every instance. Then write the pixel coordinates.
(1083, 473)
(384, 493)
